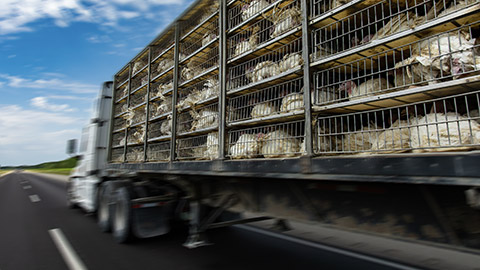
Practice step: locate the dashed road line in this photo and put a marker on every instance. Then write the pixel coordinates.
(27, 187)
(34, 198)
(68, 253)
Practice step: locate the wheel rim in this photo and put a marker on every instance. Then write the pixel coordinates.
(103, 209)
(120, 216)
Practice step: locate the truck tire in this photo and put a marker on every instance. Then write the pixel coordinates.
(105, 206)
(70, 198)
(122, 216)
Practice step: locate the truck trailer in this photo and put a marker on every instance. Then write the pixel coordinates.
(357, 115)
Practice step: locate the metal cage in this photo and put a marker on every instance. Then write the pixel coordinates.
(197, 20)
(442, 124)
(136, 135)
(198, 119)
(285, 59)
(161, 87)
(269, 141)
(205, 35)
(200, 65)
(441, 57)
(378, 21)
(158, 151)
(279, 99)
(117, 155)
(199, 147)
(160, 129)
(198, 93)
(278, 22)
(135, 154)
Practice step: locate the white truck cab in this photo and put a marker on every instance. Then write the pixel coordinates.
(93, 152)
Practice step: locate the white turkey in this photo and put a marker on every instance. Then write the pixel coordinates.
(212, 146)
(210, 89)
(393, 139)
(285, 19)
(255, 6)
(128, 116)
(166, 127)
(321, 51)
(206, 118)
(137, 136)
(208, 37)
(434, 55)
(263, 109)
(279, 143)
(190, 101)
(399, 23)
(245, 45)
(263, 70)
(473, 114)
(247, 146)
(144, 80)
(292, 102)
(290, 61)
(190, 71)
(436, 130)
(359, 140)
(164, 64)
(368, 88)
(138, 65)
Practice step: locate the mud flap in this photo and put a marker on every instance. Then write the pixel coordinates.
(152, 219)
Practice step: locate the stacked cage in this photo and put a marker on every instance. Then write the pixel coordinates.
(159, 128)
(265, 106)
(198, 91)
(384, 77)
(395, 76)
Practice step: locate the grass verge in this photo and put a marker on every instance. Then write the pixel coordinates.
(62, 171)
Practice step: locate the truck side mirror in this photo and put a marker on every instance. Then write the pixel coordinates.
(72, 147)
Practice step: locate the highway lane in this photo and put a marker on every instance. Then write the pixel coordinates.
(32, 205)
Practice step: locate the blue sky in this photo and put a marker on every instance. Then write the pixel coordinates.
(54, 56)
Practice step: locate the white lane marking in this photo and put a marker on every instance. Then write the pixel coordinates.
(328, 248)
(27, 187)
(34, 198)
(66, 250)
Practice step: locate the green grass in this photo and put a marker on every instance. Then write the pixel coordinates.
(2, 171)
(62, 171)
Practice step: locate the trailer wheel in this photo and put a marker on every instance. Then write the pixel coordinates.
(105, 206)
(70, 201)
(122, 217)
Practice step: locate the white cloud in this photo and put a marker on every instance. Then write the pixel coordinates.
(16, 15)
(43, 103)
(48, 83)
(32, 136)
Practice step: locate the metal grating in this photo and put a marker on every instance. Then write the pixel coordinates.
(198, 147)
(158, 151)
(444, 56)
(443, 124)
(160, 128)
(269, 141)
(276, 62)
(281, 20)
(378, 21)
(198, 39)
(135, 154)
(282, 98)
(198, 93)
(199, 65)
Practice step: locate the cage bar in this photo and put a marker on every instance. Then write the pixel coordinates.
(280, 21)
(198, 93)
(282, 98)
(319, 7)
(203, 36)
(203, 118)
(199, 65)
(160, 128)
(203, 15)
(135, 154)
(444, 56)
(117, 155)
(203, 147)
(378, 21)
(443, 124)
(136, 135)
(269, 141)
(282, 60)
(158, 151)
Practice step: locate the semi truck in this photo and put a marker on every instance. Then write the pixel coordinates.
(357, 115)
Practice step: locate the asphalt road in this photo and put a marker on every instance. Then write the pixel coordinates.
(33, 205)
